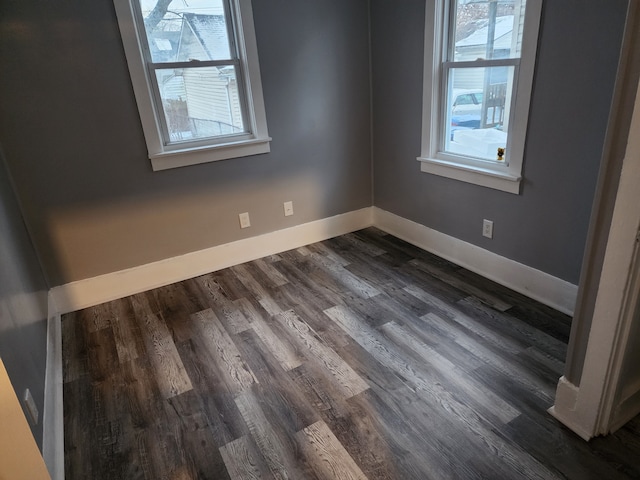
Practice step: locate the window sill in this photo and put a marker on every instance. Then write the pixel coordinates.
(477, 175)
(210, 153)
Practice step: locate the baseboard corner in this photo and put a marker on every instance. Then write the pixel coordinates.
(565, 409)
(540, 286)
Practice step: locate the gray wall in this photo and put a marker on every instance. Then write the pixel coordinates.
(23, 302)
(74, 142)
(545, 227)
(73, 139)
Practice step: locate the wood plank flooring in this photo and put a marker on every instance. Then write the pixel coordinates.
(361, 357)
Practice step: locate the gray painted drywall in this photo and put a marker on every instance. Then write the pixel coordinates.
(73, 138)
(72, 135)
(23, 303)
(544, 227)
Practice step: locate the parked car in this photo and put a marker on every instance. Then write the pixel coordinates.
(465, 110)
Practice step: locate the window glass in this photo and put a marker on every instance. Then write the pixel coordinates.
(200, 102)
(486, 29)
(186, 31)
(476, 122)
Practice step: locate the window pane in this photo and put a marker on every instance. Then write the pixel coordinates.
(200, 102)
(477, 111)
(180, 31)
(474, 22)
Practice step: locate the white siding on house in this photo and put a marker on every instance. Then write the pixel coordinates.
(474, 46)
(519, 10)
(171, 86)
(468, 78)
(206, 97)
(211, 93)
(212, 97)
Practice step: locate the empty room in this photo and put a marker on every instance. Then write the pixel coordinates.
(319, 239)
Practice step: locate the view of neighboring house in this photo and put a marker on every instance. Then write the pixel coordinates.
(199, 101)
(474, 45)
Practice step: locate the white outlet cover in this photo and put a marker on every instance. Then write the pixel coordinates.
(30, 407)
(487, 228)
(245, 222)
(288, 209)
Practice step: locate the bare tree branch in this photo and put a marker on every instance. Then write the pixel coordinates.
(157, 14)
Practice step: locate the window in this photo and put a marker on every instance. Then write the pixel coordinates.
(196, 79)
(478, 74)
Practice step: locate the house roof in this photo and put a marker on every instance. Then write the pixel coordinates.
(211, 32)
(502, 37)
(164, 39)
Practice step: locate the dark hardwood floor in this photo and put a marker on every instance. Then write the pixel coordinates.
(359, 357)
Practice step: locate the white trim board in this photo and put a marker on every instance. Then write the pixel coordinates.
(533, 283)
(111, 286)
(602, 399)
(567, 397)
(53, 417)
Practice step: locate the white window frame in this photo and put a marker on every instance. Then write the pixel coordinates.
(164, 156)
(501, 175)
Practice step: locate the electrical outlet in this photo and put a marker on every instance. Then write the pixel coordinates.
(245, 222)
(288, 209)
(30, 407)
(487, 228)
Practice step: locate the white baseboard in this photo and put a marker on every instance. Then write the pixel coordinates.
(567, 411)
(53, 417)
(533, 283)
(104, 288)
